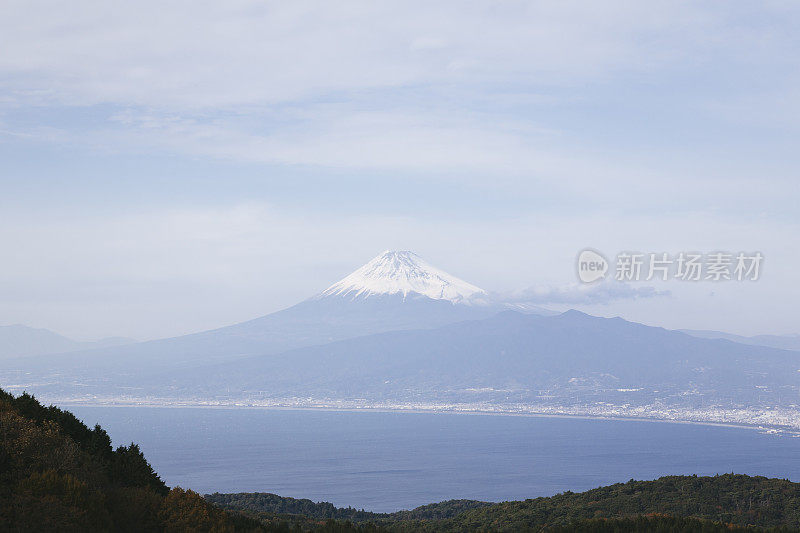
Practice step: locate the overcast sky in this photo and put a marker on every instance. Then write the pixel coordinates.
(168, 167)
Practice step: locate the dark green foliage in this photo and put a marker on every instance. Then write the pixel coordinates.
(96, 441)
(129, 468)
(274, 504)
(125, 465)
(56, 474)
(675, 503)
(262, 502)
(439, 511)
(650, 524)
(732, 499)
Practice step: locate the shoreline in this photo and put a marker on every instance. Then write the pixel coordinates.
(763, 428)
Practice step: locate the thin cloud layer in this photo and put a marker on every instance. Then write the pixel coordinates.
(219, 55)
(601, 293)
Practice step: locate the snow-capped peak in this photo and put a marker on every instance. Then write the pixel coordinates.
(404, 273)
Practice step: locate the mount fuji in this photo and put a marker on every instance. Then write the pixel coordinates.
(397, 290)
(405, 273)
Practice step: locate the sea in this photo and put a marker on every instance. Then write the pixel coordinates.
(387, 461)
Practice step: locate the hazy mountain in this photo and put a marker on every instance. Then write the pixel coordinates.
(783, 342)
(22, 341)
(569, 359)
(394, 291)
(514, 357)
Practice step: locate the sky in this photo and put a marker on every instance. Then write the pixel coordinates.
(170, 167)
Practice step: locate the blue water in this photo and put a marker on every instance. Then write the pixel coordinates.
(390, 461)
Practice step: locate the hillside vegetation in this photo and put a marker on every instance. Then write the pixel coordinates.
(261, 503)
(56, 474)
(712, 504)
(729, 499)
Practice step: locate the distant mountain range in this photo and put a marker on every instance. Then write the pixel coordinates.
(783, 342)
(513, 358)
(22, 341)
(394, 291)
(400, 332)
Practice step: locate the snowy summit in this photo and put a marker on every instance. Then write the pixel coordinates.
(403, 273)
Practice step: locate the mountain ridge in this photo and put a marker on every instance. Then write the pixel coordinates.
(510, 359)
(325, 317)
(783, 342)
(18, 340)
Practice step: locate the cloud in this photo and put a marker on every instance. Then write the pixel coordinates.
(246, 52)
(343, 136)
(410, 147)
(243, 52)
(522, 97)
(583, 294)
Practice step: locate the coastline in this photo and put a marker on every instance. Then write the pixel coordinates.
(553, 412)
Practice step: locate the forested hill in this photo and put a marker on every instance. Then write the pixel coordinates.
(56, 474)
(730, 499)
(262, 502)
(675, 503)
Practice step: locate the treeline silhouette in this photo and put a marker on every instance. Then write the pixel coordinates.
(262, 502)
(673, 503)
(56, 474)
(728, 499)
